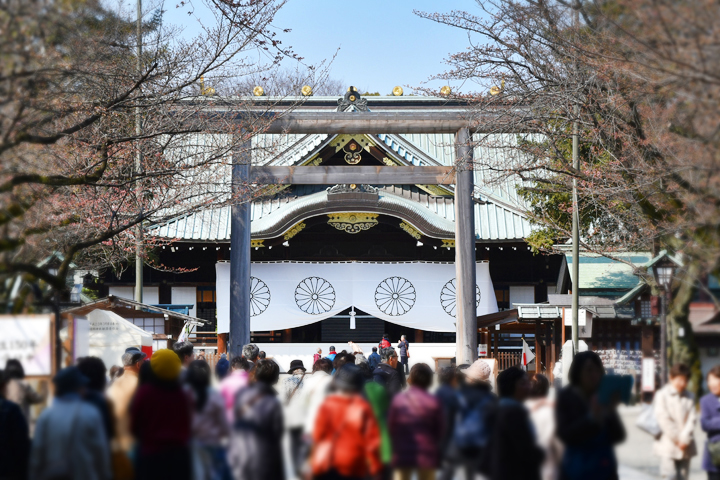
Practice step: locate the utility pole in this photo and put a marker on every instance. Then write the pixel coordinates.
(575, 214)
(138, 169)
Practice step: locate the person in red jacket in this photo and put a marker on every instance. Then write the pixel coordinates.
(346, 438)
(385, 342)
(160, 421)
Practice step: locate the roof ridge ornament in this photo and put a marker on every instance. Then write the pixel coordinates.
(351, 188)
(352, 98)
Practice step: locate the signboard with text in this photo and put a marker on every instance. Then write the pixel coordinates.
(27, 338)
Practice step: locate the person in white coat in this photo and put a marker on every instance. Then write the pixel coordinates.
(676, 414)
(542, 414)
(313, 395)
(70, 437)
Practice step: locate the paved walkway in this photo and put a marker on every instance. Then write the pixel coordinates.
(636, 457)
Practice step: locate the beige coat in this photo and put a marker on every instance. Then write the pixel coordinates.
(120, 394)
(676, 415)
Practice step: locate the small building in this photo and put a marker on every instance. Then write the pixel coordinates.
(165, 324)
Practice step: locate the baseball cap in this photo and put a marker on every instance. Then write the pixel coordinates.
(132, 355)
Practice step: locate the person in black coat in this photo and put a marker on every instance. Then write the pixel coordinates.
(386, 374)
(14, 438)
(587, 429)
(512, 452)
(94, 369)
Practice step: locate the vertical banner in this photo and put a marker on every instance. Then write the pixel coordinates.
(648, 374)
(222, 296)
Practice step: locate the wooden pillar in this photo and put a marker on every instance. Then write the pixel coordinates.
(538, 348)
(557, 337)
(222, 339)
(466, 311)
(419, 337)
(496, 347)
(240, 254)
(549, 349)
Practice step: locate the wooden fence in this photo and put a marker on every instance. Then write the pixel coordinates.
(210, 358)
(508, 359)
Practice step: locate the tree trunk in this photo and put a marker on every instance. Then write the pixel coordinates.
(683, 349)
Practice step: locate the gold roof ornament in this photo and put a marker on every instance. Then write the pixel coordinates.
(205, 90)
(294, 231)
(495, 90)
(259, 91)
(398, 91)
(306, 91)
(412, 231)
(352, 89)
(446, 90)
(353, 222)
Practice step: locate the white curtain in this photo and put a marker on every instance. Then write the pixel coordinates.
(291, 294)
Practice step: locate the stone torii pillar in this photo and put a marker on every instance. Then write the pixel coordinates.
(240, 253)
(465, 272)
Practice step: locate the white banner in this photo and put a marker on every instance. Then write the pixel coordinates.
(27, 338)
(291, 294)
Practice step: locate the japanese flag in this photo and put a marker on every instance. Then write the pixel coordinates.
(527, 354)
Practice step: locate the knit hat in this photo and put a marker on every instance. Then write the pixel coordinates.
(479, 371)
(165, 364)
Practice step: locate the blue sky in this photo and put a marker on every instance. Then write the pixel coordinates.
(381, 43)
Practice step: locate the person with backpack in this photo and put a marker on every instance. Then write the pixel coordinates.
(474, 401)
(385, 342)
(346, 441)
(416, 422)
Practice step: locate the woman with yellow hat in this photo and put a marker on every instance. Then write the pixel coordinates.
(160, 421)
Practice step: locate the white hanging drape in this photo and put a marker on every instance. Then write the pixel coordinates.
(413, 294)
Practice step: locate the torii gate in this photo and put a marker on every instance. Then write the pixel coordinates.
(364, 123)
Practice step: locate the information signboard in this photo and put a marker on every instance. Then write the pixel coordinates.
(27, 338)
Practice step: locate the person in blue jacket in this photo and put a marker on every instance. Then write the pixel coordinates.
(710, 421)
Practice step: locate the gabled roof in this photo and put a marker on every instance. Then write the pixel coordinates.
(112, 302)
(601, 273)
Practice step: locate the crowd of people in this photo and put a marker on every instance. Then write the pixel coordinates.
(350, 416)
